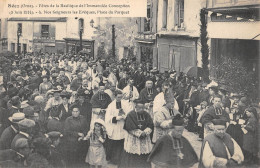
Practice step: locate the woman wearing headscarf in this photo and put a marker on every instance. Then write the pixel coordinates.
(250, 147)
(75, 128)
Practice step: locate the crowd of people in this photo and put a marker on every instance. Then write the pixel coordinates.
(73, 111)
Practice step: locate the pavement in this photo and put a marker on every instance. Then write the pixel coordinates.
(195, 143)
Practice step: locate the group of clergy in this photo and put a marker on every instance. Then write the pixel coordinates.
(142, 117)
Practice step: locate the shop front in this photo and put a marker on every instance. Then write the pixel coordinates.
(73, 46)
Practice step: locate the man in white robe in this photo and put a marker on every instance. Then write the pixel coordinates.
(115, 120)
(130, 92)
(159, 100)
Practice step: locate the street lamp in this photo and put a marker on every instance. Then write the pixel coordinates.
(80, 38)
(92, 23)
(18, 38)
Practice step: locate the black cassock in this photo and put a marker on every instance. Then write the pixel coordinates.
(173, 152)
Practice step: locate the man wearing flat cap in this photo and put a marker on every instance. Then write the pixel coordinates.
(31, 113)
(16, 157)
(220, 149)
(10, 132)
(172, 149)
(25, 130)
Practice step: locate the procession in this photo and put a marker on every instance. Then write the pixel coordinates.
(67, 111)
(177, 88)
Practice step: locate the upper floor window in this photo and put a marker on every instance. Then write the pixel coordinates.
(45, 31)
(180, 13)
(147, 20)
(164, 14)
(19, 28)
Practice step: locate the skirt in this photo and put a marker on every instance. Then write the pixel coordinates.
(129, 160)
(96, 156)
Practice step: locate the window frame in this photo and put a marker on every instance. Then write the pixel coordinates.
(165, 14)
(42, 33)
(180, 11)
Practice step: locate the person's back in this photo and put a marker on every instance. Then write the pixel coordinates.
(7, 137)
(54, 125)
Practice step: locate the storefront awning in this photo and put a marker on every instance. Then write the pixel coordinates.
(184, 34)
(77, 39)
(146, 41)
(234, 30)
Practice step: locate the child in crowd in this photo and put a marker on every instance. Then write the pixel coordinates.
(96, 155)
(201, 109)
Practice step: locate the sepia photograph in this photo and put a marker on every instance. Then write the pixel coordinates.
(103, 84)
